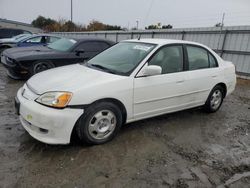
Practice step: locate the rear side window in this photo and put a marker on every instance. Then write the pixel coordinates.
(197, 58)
(212, 61)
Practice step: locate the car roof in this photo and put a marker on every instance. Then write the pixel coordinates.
(162, 41)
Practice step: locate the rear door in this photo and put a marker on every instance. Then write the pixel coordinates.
(203, 72)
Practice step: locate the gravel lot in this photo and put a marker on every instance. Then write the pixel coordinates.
(184, 149)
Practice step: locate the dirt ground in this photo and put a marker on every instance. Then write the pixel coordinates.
(184, 149)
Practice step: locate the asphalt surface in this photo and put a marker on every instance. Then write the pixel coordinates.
(184, 149)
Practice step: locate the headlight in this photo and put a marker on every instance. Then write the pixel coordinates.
(9, 59)
(55, 99)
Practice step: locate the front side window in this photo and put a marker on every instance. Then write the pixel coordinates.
(121, 58)
(169, 58)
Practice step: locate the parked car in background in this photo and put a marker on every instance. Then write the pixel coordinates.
(21, 63)
(10, 32)
(37, 40)
(133, 80)
(11, 42)
(25, 41)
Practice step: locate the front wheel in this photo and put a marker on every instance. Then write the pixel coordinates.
(40, 66)
(99, 124)
(214, 100)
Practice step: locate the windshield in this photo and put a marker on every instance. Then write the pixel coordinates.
(121, 58)
(62, 44)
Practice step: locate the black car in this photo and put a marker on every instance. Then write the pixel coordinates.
(22, 63)
(10, 32)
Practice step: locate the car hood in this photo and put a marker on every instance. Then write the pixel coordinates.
(69, 78)
(21, 53)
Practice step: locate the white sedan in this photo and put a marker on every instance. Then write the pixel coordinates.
(133, 80)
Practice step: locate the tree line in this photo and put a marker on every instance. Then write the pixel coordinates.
(62, 25)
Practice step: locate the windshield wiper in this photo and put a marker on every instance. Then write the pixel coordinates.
(102, 68)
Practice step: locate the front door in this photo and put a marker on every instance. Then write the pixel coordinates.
(159, 94)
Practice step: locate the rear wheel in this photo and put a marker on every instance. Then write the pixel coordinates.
(41, 66)
(100, 123)
(215, 99)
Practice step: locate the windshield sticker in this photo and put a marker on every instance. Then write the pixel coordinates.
(144, 48)
(73, 41)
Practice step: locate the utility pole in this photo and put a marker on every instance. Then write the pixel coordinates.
(221, 27)
(222, 21)
(137, 24)
(71, 11)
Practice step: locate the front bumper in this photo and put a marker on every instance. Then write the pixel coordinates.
(14, 70)
(48, 125)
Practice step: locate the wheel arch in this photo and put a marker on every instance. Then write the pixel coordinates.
(117, 102)
(34, 63)
(224, 86)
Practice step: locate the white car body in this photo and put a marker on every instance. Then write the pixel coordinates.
(142, 97)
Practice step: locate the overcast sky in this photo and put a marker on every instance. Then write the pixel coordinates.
(179, 13)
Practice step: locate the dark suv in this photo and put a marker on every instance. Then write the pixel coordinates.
(9, 32)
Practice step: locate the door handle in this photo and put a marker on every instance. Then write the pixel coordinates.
(214, 76)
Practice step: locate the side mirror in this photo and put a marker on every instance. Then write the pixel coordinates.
(152, 70)
(80, 51)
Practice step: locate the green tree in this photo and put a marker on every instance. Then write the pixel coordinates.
(151, 27)
(42, 22)
(167, 26)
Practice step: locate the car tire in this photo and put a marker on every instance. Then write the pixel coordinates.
(214, 100)
(99, 124)
(40, 66)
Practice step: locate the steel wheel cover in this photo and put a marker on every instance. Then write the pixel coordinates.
(102, 124)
